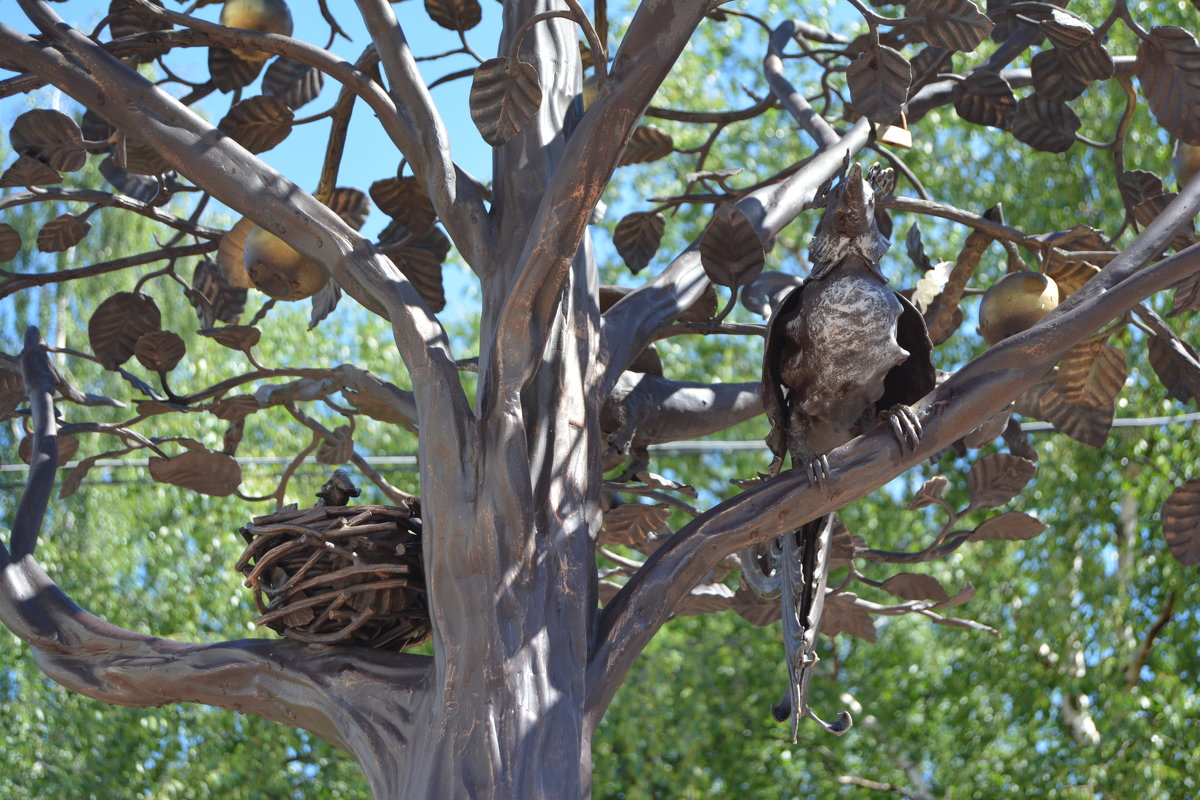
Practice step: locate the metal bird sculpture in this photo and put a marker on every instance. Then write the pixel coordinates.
(842, 352)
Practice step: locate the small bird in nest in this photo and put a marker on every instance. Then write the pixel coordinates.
(842, 352)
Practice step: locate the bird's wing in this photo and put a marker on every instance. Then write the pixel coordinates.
(776, 400)
(915, 377)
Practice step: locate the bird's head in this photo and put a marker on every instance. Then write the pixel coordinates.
(848, 226)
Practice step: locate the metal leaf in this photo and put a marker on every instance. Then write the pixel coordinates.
(1187, 297)
(338, 448)
(992, 427)
(405, 200)
(258, 123)
(235, 337)
(634, 524)
(647, 143)
(68, 446)
(74, 478)
(1044, 124)
(1090, 61)
(1177, 366)
(985, 98)
(136, 156)
(323, 303)
(1092, 373)
(215, 474)
(756, 610)
(914, 586)
(843, 616)
(1168, 66)
(125, 20)
(1083, 423)
(12, 391)
(915, 248)
(730, 250)
(953, 24)
(420, 259)
(10, 242)
(159, 351)
(1011, 526)
(139, 187)
(1005, 24)
(1139, 185)
(213, 296)
(997, 478)
(1065, 29)
(505, 95)
(931, 492)
(94, 127)
(62, 233)
(637, 238)
(351, 205)
(454, 15)
(1148, 210)
(878, 81)
(229, 71)
(49, 136)
(117, 324)
(1181, 523)
(28, 171)
(293, 82)
(235, 408)
(1054, 79)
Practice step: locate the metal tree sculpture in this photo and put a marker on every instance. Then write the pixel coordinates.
(529, 645)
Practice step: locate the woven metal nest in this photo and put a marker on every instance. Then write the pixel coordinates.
(337, 574)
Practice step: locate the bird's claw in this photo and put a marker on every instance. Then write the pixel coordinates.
(906, 427)
(818, 471)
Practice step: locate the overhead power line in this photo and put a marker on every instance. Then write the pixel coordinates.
(693, 448)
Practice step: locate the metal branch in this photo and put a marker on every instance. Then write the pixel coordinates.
(795, 102)
(426, 143)
(98, 198)
(43, 458)
(13, 282)
(976, 392)
(656, 36)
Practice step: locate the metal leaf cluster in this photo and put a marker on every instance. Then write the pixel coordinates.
(116, 325)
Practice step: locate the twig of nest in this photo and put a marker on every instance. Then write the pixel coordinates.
(337, 574)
